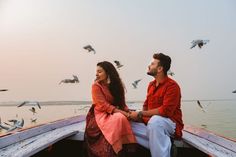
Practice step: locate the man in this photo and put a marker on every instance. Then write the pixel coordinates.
(161, 117)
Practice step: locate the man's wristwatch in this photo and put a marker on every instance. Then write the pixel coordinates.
(140, 115)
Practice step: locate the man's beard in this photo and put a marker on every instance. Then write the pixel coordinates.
(151, 73)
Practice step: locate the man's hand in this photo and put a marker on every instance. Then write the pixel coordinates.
(134, 115)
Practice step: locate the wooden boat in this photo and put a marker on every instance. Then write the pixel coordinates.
(65, 138)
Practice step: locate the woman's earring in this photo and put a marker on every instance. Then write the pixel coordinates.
(108, 80)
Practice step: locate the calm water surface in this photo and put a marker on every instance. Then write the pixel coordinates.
(218, 116)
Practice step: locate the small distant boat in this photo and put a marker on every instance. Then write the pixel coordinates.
(66, 136)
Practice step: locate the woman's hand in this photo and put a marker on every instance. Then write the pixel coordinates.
(126, 114)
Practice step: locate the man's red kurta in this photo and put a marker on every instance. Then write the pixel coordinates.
(166, 97)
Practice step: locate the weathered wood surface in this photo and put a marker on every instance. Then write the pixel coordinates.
(22, 134)
(209, 142)
(34, 140)
(30, 141)
(80, 135)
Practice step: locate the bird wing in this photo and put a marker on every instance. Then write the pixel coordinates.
(3, 90)
(87, 47)
(8, 124)
(33, 119)
(199, 104)
(13, 121)
(22, 104)
(38, 105)
(119, 66)
(134, 85)
(170, 73)
(91, 48)
(193, 45)
(12, 128)
(4, 127)
(75, 77)
(137, 81)
(20, 124)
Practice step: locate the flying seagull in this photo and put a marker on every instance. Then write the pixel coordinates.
(30, 103)
(234, 91)
(33, 120)
(198, 43)
(33, 110)
(170, 73)
(118, 64)
(74, 80)
(199, 104)
(135, 83)
(89, 48)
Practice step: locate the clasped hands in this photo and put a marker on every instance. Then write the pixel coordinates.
(133, 115)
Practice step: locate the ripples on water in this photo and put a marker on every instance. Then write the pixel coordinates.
(219, 117)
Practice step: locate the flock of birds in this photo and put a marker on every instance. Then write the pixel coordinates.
(200, 43)
(16, 124)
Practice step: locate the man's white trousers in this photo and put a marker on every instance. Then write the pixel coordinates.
(155, 135)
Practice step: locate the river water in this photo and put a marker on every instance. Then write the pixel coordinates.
(217, 115)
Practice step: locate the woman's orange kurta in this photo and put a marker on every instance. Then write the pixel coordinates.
(114, 126)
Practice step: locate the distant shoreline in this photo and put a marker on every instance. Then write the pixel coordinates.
(53, 103)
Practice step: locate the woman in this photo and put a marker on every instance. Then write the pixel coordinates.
(107, 125)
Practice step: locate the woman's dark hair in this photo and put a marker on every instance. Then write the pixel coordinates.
(116, 86)
(165, 61)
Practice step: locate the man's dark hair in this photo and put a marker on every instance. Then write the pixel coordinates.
(165, 61)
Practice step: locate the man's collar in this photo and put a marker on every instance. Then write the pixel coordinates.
(163, 81)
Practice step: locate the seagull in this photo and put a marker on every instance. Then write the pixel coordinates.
(199, 104)
(89, 48)
(118, 65)
(74, 80)
(4, 127)
(198, 43)
(17, 124)
(170, 73)
(234, 91)
(33, 120)
(204, 125)
(135, 83)
(30, 103)
(33, 110)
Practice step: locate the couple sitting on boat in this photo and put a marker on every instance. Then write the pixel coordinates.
(110, 125)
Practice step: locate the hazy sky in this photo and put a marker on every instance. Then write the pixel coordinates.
(41, 43)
